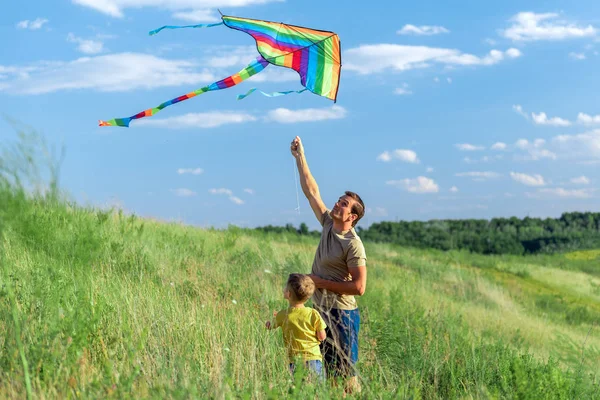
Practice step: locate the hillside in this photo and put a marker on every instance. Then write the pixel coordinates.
(100, 304)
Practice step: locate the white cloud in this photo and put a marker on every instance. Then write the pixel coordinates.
(468, 147)
(408, 156)
(535, 149)
(236, 200)
(230, 56)
(436, 79)
(581, 180)
(196, 16)
(499, 146)
(529, 26)
(519, 110)
(385, 157)
(193, 171)
(429, 169)
(449, 80)
(454, 189)
(420, 184)
(117, 72)
(402, 91)
(588, 119)
(581, 145)
(561, 192)
(479, 176)
(537, 154)
(423, 30)
(513, 53)
(483, 159)
(228, 192)
(86, 46)
(32, 25)
(249, 191)
(542, 119)
(199, 120)
(115, 8)
(287, 116)
(524, 144)
(367, 59)
(183, 192)
(577, 56)
(529, 180)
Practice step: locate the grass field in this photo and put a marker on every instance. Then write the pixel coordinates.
(98, 304)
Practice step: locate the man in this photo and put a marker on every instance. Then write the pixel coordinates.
(339, 272)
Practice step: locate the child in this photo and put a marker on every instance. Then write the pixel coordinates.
(303, 328)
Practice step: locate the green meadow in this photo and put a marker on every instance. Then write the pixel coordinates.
(99, 304)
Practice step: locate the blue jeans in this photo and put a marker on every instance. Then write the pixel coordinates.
(315, 367)
(340, 349)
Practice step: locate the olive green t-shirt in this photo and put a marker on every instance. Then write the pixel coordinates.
(335, 254)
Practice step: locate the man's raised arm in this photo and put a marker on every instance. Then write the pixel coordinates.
(308, 183)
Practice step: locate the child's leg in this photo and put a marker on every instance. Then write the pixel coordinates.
(315, 367)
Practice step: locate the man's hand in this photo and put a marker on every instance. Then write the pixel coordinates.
(296, 147)
(317, 280)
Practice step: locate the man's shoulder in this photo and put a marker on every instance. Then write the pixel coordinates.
(352, 237)
(326, 218)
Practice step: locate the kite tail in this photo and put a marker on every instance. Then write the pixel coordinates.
(155, 31)
(252, 69)
(274, 94)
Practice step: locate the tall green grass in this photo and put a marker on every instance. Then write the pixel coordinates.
(99, 304)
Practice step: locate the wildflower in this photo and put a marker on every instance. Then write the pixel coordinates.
(234, 302)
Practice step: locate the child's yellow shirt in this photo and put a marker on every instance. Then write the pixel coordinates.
(299, 327)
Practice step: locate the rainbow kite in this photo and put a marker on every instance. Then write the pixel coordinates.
(314, 54)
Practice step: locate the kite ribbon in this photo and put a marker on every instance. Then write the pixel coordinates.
(155, 31)
(252, 69)
(274, 94)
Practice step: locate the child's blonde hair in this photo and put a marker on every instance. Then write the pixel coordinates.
(301, 287)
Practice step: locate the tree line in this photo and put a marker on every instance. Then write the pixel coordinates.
(571, 231)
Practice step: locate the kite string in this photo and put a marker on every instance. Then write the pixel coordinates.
(296, 182)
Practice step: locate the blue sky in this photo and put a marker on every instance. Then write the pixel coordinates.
(469, 110)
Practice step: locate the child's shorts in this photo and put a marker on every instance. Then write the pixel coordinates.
(315, 367)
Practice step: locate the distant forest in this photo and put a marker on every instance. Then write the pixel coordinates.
(572, 231)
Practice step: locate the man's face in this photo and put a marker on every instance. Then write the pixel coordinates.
(342, 210)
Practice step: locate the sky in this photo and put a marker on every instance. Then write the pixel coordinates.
(445, 111)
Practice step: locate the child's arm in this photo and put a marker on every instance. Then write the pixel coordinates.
(321, 335)
(269, 325)
(319, 326)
